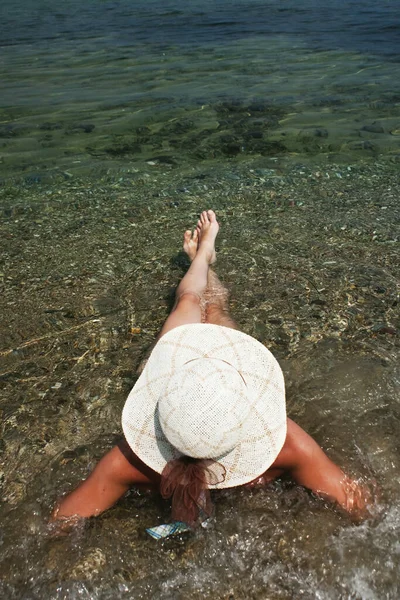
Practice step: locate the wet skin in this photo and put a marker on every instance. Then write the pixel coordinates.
(301, 457)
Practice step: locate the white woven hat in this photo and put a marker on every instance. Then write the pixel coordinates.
(208, 391)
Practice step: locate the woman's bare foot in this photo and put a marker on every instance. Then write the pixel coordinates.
(191, 243)
(207, 230)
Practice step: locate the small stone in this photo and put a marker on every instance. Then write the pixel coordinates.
(231, 149)
(260, 330)
(233, 539)
(321, 132)
(47, 126)
(162, 159)
(33, 178)
(90, 565)
(383, 329)
(255, 134)
(86, 127)
(374, 128)
(318, 301)
(365, 145)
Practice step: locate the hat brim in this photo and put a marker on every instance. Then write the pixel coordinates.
(266, 426)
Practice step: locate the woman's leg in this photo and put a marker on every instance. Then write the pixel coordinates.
(216, 303)
(214, 300)
(115, 473)
(193, 285)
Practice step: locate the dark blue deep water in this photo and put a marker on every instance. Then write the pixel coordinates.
(353, 25)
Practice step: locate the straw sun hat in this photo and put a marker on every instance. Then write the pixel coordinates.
(208, 391)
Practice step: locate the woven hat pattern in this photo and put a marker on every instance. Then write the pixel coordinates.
(178, 351)
(204, 408)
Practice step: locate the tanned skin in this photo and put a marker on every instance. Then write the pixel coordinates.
(301, 457)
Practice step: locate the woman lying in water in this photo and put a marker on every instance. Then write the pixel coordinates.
(207, 412)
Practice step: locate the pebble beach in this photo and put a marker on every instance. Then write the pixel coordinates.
(108, 152)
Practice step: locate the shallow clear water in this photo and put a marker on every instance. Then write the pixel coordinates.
(118, 124)
(112, 86)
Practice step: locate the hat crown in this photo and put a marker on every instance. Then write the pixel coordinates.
(204, 407)
(263, 432)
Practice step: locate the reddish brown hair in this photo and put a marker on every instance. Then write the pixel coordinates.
(186, 481)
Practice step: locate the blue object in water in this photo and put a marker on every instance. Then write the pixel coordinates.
(163, 531)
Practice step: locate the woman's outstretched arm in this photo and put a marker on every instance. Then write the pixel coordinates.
(303, 459)
(108, 482)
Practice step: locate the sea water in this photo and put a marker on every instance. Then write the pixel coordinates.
(119, 123)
